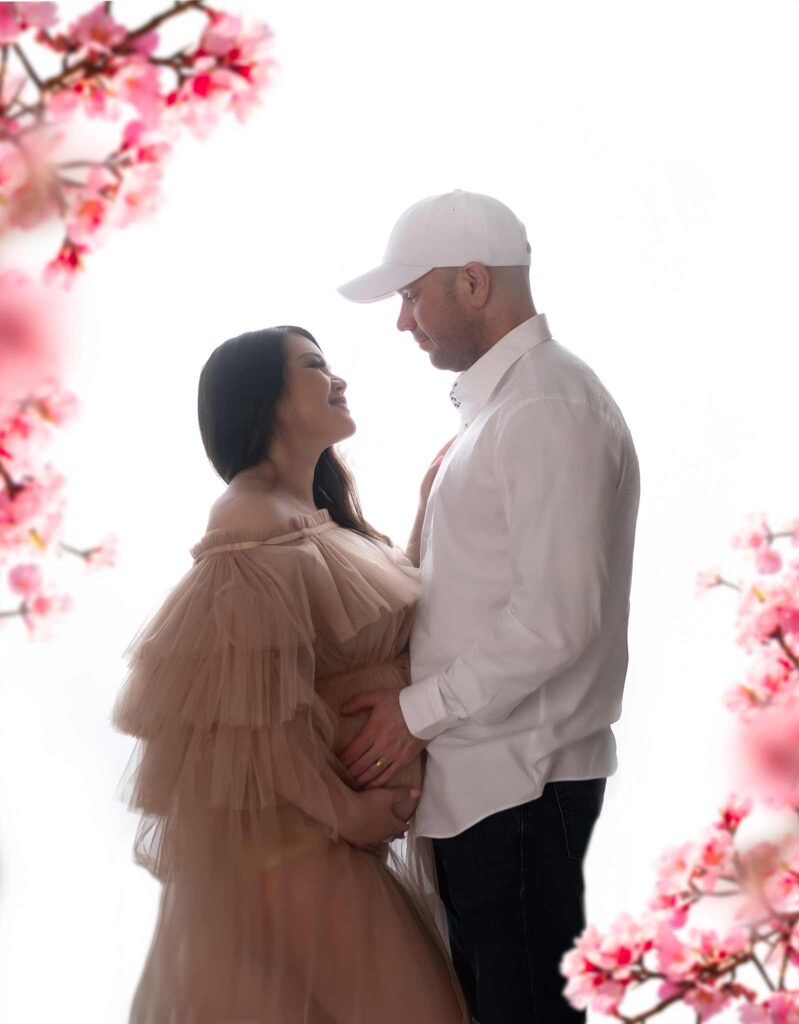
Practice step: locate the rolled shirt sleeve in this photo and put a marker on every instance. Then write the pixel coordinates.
(558, 466)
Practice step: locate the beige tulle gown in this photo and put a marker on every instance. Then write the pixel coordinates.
(267, 914)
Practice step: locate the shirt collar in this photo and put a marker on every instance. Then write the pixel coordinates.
(474, 386)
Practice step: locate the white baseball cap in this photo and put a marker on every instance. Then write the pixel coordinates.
(450, 230)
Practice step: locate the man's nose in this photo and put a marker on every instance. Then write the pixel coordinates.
(405, 320)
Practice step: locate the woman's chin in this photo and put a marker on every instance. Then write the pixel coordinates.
(346, 429)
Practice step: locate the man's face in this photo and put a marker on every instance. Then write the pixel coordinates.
(440, 323)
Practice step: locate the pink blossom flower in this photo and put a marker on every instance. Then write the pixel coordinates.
(599, 968)
(716, 858)
(137, 82)
(16, 18)
(146, 43)
(25, 580)
(781, 888)
(44, 611)
(758, 862)
(770, 745)
(767, 560)
(771, 679)
(139, 195)
(87, 219)
(105, 554)
(30, 341)
(777, 1008)
(717, 948)
(142, 145)
(97, 30)
(707, 1000)
(766, 608)
(734, 811)
(675, 959)
(675, 867)
(227, 37)
(64, 268)
(86, 95)
(13, 171)
(26, 426)
(38, 15)
(707, 580)
(57, 406)
(673, 896)
(220, 36)
(33, 515)
(794, 528)
(755, 535)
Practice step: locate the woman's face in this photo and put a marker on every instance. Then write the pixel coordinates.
(313, 406)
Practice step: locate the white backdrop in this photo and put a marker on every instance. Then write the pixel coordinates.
(650, 148)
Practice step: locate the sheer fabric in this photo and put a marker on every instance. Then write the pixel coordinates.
(267, 914)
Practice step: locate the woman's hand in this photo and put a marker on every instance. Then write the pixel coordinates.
(378, 817)
(412, 548)
(430, 475)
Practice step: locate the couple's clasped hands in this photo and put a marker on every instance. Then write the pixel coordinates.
(385, 745)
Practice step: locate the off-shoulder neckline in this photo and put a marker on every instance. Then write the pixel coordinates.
(232, 537)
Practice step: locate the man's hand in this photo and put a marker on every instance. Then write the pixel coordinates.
(385, 737)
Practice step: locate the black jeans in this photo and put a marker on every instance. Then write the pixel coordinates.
(513, 890)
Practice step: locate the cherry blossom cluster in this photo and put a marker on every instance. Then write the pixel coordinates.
(104, 72)
(89, 111)
(640, 967)
(32, 494)
(749, 962)
(766, 702)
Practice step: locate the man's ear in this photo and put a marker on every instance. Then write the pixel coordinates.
(477, 279)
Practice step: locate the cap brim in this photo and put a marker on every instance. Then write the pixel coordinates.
(381, 282)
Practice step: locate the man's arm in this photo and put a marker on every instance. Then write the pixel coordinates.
(558, 467)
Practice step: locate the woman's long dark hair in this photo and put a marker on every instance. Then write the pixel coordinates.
(240, 386)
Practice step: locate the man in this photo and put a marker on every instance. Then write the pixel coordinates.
(519, 651)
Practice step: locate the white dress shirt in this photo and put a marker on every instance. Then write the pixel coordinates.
(519, 649)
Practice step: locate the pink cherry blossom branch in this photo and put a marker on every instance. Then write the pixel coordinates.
(105, 70)
(779, 636)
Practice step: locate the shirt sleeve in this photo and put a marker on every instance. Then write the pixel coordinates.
(558, 467)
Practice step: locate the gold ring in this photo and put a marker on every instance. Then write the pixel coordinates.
(379, 763)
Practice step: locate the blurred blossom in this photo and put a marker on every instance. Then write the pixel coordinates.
(17, 18)
(707, 580)
(44, 612)
(754, 535)
(25, 580)
(768, 560)
(105, 554)
(31, 343)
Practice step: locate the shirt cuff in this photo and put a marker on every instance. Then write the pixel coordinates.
(424, 710)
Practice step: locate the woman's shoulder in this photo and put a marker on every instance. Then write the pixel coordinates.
(246, 510)
(247, 521)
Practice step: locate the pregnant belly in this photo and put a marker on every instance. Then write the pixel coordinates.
(337, 690)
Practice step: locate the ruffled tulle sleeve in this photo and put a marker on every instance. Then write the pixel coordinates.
(235, 763)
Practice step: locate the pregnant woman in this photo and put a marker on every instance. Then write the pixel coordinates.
(282, 900)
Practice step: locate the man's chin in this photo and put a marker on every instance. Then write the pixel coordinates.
(439, 360)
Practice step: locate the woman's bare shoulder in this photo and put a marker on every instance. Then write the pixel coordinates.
(246, 511)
